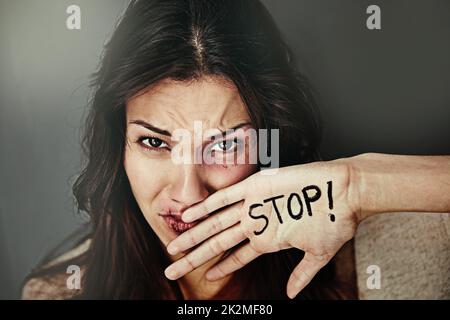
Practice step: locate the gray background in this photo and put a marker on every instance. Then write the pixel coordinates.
(381, 91)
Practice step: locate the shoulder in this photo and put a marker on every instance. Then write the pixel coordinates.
(47, 288)
(53, 286)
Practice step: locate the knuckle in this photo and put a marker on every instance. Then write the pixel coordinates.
(190, 238)
(237, 259)
(216, 224)
(215, 246)
(203, 208)
(189, 262)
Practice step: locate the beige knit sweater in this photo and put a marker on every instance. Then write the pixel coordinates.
(412, 251)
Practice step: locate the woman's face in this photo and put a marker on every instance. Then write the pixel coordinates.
(162, 187)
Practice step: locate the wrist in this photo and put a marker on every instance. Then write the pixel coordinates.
(354, 186)
(368, 182)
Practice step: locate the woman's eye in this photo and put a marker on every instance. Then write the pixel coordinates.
(153, 143)
(226, 145)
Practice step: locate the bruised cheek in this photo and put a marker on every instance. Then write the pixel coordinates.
(224, 175)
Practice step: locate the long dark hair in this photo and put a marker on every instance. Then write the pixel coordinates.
(185, 40)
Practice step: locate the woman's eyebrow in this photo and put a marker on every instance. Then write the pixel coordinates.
(167, 133)
(222, 133)
(150, 127)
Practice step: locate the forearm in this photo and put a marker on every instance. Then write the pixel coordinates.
(396, 183)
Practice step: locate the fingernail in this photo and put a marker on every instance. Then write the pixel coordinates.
(291, 294)
(170, 273)
(186, 217)
(171, 249)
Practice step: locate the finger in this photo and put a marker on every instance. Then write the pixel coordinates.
(217, 200)
(304, 272)
(205, 229)
(236, 260)
(208, 250)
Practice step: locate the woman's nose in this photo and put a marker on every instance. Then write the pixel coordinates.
(188, 187)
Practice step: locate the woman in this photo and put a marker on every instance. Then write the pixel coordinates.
(230, 51)
(168, 65)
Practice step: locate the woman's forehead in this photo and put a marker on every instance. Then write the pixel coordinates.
(213, 101)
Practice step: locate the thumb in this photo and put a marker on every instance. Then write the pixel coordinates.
(304, 272)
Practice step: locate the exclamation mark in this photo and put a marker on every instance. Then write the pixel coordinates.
(330, 200)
